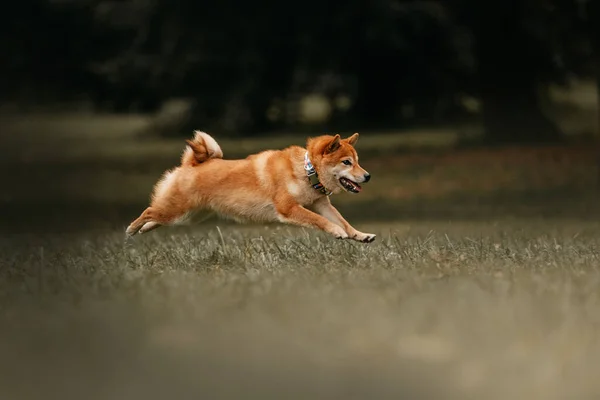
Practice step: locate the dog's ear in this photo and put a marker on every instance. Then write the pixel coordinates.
(333, 145)
(352, 139)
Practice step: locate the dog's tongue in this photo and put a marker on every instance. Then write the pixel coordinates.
(353, 184)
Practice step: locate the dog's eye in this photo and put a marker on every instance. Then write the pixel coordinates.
(347, 162)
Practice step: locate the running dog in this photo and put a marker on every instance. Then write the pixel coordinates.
(291, 186)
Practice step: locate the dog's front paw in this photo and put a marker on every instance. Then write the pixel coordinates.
(339, 233)
(364, 237)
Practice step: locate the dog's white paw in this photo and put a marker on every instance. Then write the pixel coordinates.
(130, 231)
(364, 237)
(339, 232)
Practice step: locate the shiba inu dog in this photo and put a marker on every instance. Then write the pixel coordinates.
(292, 186)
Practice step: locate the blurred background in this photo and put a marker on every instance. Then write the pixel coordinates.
(463, 106)
(478, 121)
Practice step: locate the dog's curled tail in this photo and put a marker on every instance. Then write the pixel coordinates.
(201, 148)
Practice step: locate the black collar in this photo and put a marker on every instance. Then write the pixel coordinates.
(313, 177)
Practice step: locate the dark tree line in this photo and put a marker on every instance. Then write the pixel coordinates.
(236, 59)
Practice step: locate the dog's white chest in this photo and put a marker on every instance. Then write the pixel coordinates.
(301, 195)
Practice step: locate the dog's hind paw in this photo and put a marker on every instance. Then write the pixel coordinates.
(130, 232)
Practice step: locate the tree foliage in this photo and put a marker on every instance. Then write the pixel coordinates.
(397, 61)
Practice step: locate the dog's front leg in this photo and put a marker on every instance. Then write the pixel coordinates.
(324, 207)
(294, 213)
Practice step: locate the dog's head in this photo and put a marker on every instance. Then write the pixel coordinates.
(336, 162)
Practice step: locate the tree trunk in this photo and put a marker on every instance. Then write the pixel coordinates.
(508, 65)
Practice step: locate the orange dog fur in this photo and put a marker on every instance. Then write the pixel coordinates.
(269, 186)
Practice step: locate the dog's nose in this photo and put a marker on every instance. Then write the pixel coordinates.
(367, 177)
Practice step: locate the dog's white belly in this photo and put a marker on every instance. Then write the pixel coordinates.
(194, 217)
(247, 210)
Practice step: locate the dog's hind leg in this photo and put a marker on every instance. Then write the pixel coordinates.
(149, 226)
(138, 223)
(151, 219)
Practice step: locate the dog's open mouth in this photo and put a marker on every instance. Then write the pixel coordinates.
(350, 186)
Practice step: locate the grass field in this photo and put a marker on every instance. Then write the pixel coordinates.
(434, 310)
(483, 283)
